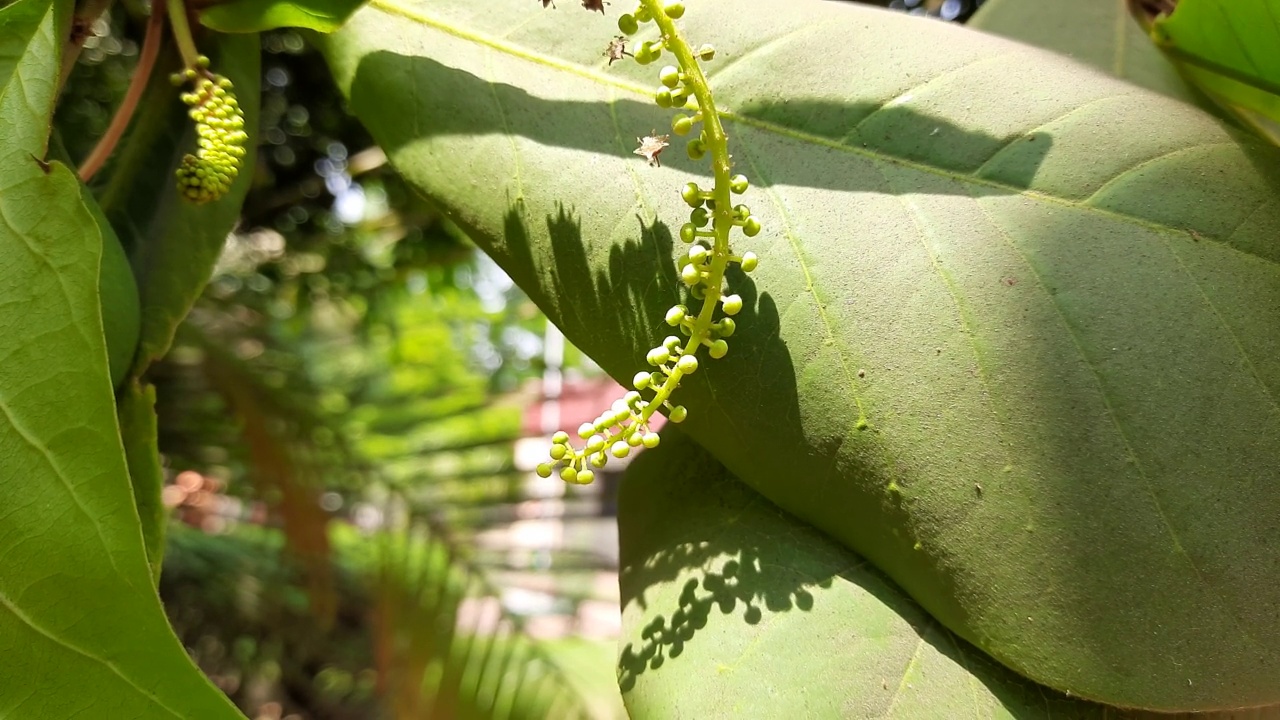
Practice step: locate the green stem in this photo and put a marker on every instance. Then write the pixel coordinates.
(722, 217)
(182, 33)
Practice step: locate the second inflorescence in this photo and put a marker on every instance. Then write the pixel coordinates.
(626, 425)
(220, 136)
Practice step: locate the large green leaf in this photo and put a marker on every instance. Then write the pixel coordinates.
(1231, 50)
(251, 16)
(82, 633)
(173, 244)
(1056, 316)
(731, 608)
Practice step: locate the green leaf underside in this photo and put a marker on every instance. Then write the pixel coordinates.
(1100, 33)
(173, 244)
(248, 16)
(731, 608)
(136, 410)
(82, 633)
(1231, 50)
(1056, 315)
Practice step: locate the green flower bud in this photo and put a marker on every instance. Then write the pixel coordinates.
(595, 444)
(696, 149)
(727, 327)
(699, 217)
(558, 451)
(658, 356)
(635, 439)
(718, 349)
(692, 194)
(681, 124)
(568, 474)
(640, 381)
(751, 227)
(706, 52)
(678, 414)
(648, 52)
(544, 470)
(560, 438)
(749, 261)
(671, 343)
(698, 253)
(732, 304)
(738, 184)
(585, 477)
(662, 97)
(675, 315)
(599, 460)
(669, 76)
(690, 275)
(620, 449)
(674, 10)
(585, 430)
(687, 364)
(688, 233)
(651, 440)
(628, 24)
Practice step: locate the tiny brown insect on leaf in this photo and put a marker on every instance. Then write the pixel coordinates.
(617, 49)
(547, 3)
(651, 146)
(594, 5)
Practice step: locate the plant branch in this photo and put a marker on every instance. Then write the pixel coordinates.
(722, 223)
(137, 84)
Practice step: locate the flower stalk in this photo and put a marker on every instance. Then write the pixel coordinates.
(712, 219)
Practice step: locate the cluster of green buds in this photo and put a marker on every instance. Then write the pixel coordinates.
(220, 136)
(626, 425)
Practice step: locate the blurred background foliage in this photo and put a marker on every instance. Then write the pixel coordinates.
(352, 533)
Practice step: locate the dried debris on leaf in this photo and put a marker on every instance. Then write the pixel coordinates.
(651, 146)
(617, 49)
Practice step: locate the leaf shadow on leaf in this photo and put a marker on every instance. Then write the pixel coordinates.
(458, 103)
(698, 546)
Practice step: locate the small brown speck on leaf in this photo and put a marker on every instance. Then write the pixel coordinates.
(594, 5)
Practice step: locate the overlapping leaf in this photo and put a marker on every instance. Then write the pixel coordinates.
(1231, 50)
(251, 16)
(82, 633)
(1056, 316)
(732, 608)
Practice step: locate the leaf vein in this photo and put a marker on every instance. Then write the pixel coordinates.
(1115, 421)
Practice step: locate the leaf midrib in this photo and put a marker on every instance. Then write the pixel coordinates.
(393, 8)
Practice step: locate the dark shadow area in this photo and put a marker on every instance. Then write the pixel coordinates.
(456, 102)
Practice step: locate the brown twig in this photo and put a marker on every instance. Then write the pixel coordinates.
(137, 84)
